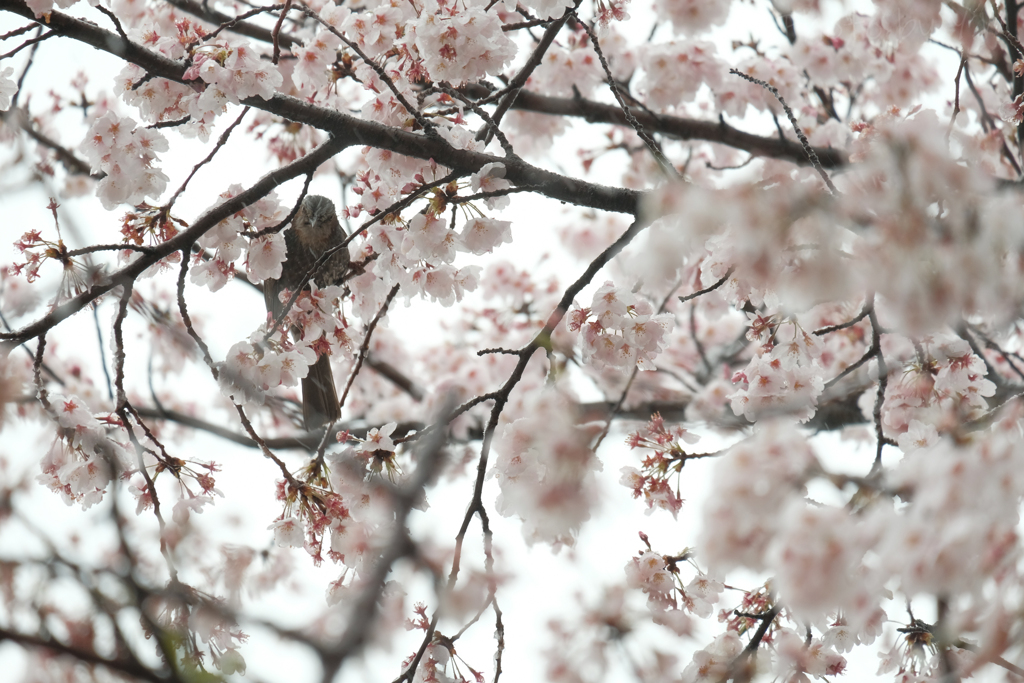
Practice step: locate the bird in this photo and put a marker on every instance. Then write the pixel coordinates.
(313, 231)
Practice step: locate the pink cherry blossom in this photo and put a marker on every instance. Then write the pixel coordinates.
(288, 533)
(126, 154)
(460, 43)
(482, 235)
(380, 439)
(802, 220)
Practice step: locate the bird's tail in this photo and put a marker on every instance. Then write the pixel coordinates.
(319, 397)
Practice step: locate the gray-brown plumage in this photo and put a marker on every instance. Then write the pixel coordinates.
(314, 230)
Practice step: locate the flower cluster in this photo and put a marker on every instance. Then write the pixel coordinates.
(620, 330)
(86, 455)
(669, 600)
(674, 72)
(152, 224)
(339, 510)
(418, 253)
(309, 329)
(35, 248)
(815, 558)
(713, 662)
(568, 69)
(934, 392)
(785, 375)
(545, 470)
(668, 458)
(758, 517)
(311, 515)
(461, 42)
(250, 371)
(961, 526)
(796, 658)
(126, 155)
(264, 255)
(235, 69)
(199, 626)
(751, 483)
(502, 280)
(316, 56)
(743, 617)
(693, 16)
(915, 656)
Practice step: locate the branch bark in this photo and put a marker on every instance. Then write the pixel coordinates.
(348, 130)
(594, 112)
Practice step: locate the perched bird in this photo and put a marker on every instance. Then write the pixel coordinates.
(314, 230)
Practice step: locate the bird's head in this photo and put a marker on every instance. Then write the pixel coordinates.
(318, 217)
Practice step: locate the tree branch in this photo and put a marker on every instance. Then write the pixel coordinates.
(348, 130)
(181, 241)
(673, 126)
(242, 28)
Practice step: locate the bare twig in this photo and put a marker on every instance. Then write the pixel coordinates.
(365, 346)
(652, 145)
(511, 92)
(811, 154)
(28, 43)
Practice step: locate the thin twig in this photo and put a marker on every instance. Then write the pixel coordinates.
(709, 288)
(117, 22)
(277, 32)
(209, 157)
(849, 323)
(28, 43)
(103, 356)
(231, 24)
(956, 98)
(511, 91)
(652, 145)
(883, 379)
(808, 150)
(365, 346)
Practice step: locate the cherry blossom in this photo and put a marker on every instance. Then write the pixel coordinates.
(669, 457)
(753, 480)
(490, 178)
(712, 663)
(313, 60)
(380, 439)
(675, 72)
(482, 235)
(288, 532)
(235, 69)
(625, 331)
(126, 154)
(546, 472)
(459, 43)
(265, 256)
(802, 220)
